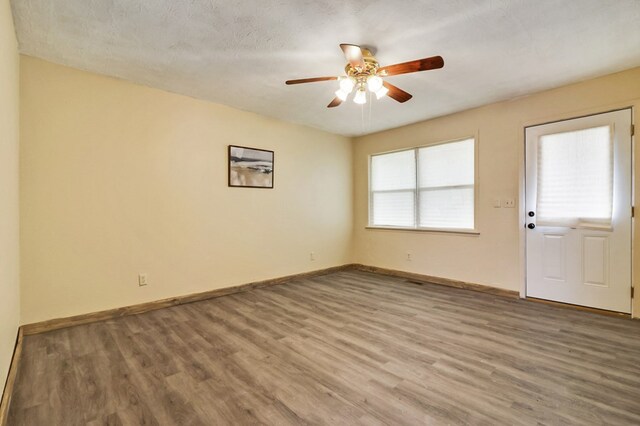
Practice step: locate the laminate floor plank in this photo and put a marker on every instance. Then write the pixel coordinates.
(349, 347)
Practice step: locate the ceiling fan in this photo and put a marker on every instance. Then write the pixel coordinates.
(363, 72)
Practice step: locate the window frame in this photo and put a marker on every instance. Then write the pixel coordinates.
(416, 190)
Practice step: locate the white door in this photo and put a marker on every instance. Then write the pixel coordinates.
(578, 207)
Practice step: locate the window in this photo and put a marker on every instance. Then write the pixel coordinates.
(393, 188)
(427, 187)
(575, 178)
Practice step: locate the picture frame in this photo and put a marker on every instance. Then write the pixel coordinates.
(250, 167)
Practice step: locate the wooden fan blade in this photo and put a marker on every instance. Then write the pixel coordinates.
(397, 93)
(425, 64)
(310, 80)
(353, 54)
(335, 102)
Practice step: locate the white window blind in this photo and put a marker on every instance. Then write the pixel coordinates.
(393, 187)
(575, 178)
(446, 181)
(430, 187)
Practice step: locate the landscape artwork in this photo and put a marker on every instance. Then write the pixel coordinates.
(250, 167)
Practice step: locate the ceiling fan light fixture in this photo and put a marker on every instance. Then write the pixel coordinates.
(374, 83)
(363, 74)
(381, 92)
(346, 84)
(360, 97)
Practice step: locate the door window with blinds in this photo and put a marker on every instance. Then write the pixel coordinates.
(575, 178)
(430, 187)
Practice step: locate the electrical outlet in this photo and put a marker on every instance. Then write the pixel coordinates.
(312, 256)
(409, 256)
(508, 203)
(142, 280)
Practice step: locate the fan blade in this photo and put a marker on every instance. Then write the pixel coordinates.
(353, 54)
(335, 102)
(425, 64)
(397, 93)
(310, 80)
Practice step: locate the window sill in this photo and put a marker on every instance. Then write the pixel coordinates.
(431, 230)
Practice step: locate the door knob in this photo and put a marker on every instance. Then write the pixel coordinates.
(531, 225)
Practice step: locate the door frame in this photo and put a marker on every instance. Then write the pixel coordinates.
(634, 106)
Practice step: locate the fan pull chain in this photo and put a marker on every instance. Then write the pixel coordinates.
(362, 120)
(370, 106)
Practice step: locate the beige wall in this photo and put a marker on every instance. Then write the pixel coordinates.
(495, 256)
(118, 179)
(9, 230)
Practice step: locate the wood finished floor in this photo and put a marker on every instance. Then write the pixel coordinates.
(346, 348)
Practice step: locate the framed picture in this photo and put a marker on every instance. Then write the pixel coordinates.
(250, 167)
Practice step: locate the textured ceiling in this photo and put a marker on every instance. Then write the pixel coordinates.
(239, 53)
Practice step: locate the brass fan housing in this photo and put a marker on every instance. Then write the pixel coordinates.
(371, 65)
(370, 69)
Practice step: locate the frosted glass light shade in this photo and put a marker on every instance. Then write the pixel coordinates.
(374, 83)
(346, 84)
(360, 97)
(342, 95)
(381, 92)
